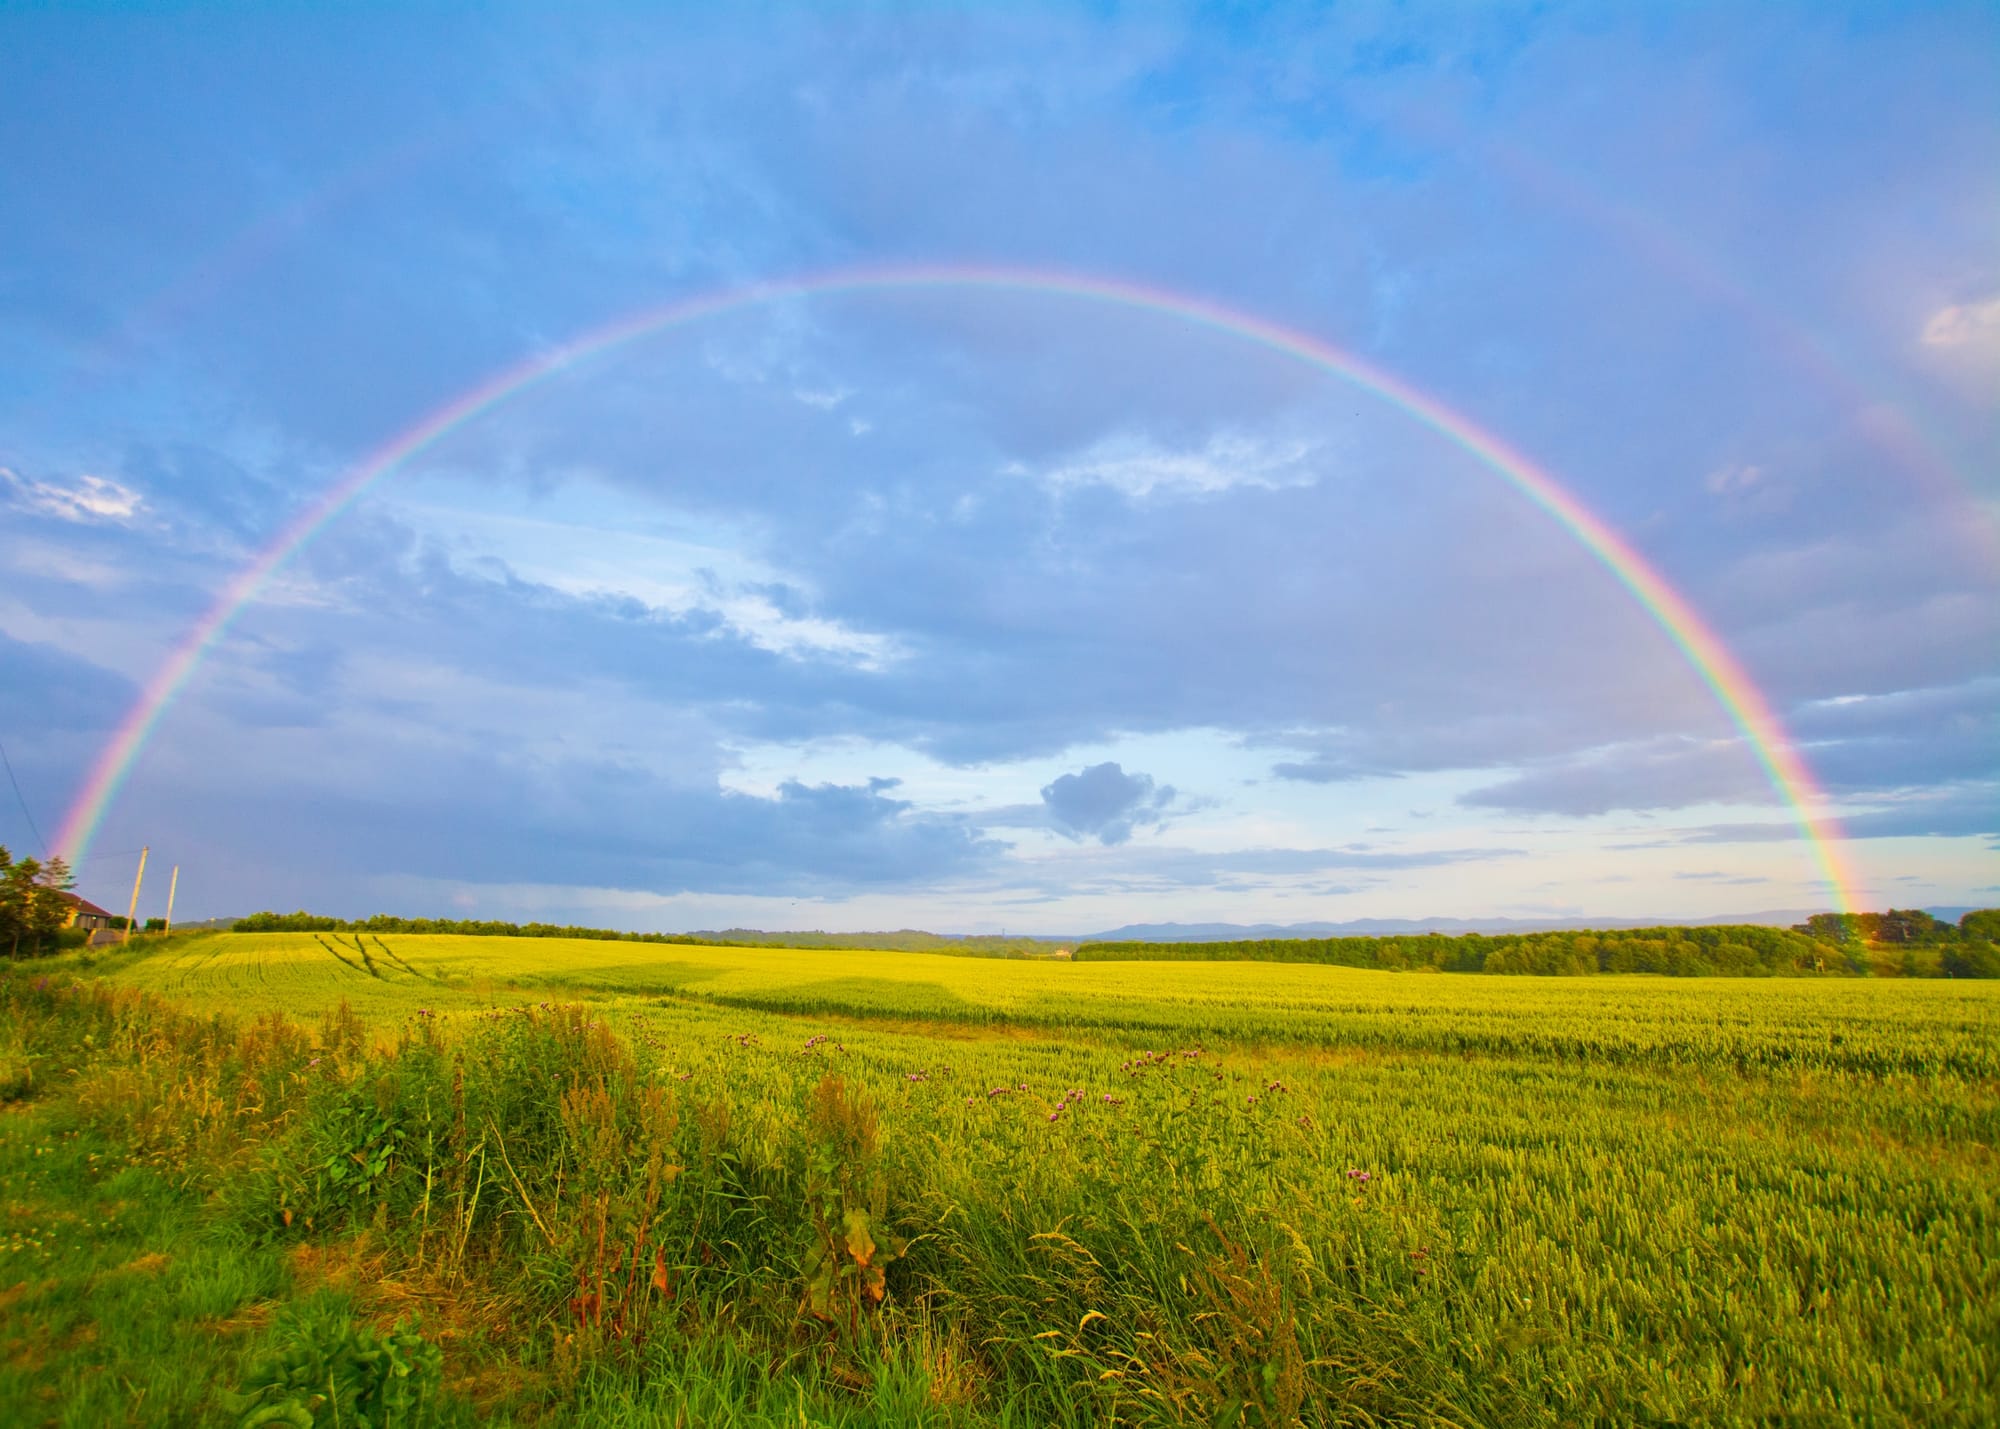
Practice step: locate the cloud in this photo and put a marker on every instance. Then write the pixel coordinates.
(1969, 809)
(1963, 324)
(1329, 769)
(1670, 773)
(1731, 480)
(1154, 869)
(1105, 803)
(87, 499)
(1071, 524)
(1138, 467)
(42, 685)
(461, 814)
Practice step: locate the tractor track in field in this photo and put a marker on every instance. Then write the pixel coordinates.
(185, 970)
(344, 960)
(396, 958)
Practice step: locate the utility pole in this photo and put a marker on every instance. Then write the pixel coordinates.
(137, 878)
(172, 884)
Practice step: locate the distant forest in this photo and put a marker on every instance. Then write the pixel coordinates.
(908, 940)
(1899, 943)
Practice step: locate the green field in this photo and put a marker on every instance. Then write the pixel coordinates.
(634, 1183)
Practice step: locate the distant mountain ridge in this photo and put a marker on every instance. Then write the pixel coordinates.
(1389, 927)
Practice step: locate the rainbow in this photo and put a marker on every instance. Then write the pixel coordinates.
(1705, 653)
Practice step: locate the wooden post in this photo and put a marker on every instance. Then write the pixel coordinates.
(132, 913)
(172, 884)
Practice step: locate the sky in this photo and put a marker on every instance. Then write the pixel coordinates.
(999, 605)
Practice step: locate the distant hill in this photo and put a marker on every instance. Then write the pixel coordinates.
(906, 940)
(1390, 927)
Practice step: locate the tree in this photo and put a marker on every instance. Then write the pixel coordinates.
(32, 906)
(1982, 926)
(1838, 928)
(1908, 926)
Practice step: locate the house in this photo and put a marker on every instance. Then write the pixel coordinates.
(85, 914)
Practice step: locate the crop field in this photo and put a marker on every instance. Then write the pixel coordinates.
(699, 1185)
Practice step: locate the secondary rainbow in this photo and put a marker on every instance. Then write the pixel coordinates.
(1704, 651)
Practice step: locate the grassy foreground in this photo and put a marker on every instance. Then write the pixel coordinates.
(608, 1183)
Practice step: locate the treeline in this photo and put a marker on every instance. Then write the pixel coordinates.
(906, 940)
(304, 922)
(1726, 950)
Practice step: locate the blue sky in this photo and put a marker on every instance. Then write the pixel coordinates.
(991, 610)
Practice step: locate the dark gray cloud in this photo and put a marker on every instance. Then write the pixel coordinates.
(455, 815)
(1105, 803)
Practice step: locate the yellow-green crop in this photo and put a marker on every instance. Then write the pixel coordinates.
(1141, 1193)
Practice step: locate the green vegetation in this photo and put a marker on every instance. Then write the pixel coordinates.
(1898, 943)
(449, 1178)
(1908, 942)
(908, 940)
(32, 907)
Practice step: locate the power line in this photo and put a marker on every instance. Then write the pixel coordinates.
(95, 854)
(22, 801)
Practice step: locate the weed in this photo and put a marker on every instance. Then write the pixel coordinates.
(325, 1368)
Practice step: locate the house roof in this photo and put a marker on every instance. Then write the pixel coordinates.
(84, 905)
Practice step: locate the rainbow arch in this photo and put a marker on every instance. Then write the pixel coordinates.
(1705, 653)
